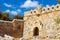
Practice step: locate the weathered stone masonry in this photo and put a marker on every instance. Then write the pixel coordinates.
(14, 28)
(39, 24)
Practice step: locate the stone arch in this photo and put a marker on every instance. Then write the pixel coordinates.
(36, 31)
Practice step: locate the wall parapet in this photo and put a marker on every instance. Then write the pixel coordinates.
(41, 10)
(2, 21)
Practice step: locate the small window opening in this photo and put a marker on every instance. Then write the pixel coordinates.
(52, 7)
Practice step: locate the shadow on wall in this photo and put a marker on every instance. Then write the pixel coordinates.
(14, 28)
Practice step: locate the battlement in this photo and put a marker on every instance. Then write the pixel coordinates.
(41, 10)
(51, 8)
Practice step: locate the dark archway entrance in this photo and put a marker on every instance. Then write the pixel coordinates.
(36, 31)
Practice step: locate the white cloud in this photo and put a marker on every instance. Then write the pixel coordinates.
(29, 4)
(18, 10)
(7, 11)
(7, 5)
(13, 12)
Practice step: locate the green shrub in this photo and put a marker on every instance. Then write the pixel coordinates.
(57, 20)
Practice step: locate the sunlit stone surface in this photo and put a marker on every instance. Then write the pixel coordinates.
(38, 24)
(6, 37)
(43, 20)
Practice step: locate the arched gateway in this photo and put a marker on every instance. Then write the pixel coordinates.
(36, 31)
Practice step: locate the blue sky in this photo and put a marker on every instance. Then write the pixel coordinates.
(15, 7)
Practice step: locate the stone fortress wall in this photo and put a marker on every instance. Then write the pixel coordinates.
(40, 24)
(12, 28)
(43, 10)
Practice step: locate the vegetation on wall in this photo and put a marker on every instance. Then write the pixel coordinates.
(58, 1)
(17, 17)
(57, 20)
(5, 16)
